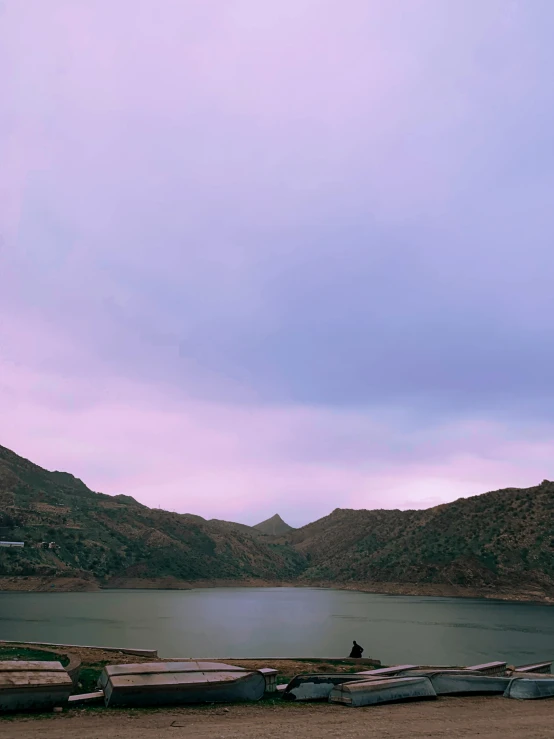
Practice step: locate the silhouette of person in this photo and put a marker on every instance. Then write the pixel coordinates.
(356, 651)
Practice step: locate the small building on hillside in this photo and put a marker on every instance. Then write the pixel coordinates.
(12, 543)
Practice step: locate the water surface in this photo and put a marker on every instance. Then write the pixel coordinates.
(285, 622)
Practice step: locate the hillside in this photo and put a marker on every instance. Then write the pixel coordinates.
(274, 526)
(103, 537)
(241, 527)
(499, 543)
(501, 539)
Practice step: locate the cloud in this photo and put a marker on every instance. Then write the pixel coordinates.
(245, 462)
(312, 242)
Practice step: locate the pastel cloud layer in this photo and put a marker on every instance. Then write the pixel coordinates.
(286, 256)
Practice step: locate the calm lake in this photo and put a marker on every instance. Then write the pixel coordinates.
(285, 622)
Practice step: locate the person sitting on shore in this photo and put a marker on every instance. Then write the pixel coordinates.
(357, 650)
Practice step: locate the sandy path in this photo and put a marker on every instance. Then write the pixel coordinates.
(456, 718)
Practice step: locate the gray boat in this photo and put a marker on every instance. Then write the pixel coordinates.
(536, 667)
(530, 687)
(390, 690)
(457, 683)
(178, 683)
(490, 668)
(315, 687)
(33, 685)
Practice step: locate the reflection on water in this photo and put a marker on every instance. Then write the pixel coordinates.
(285, 622)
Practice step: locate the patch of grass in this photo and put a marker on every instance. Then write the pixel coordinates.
(316, 661)
(88, 677)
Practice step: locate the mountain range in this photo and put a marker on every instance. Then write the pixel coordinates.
(499, 544)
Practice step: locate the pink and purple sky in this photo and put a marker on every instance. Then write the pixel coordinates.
(283, 256)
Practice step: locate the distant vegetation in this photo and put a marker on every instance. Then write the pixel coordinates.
(100, 536)
(500, 539)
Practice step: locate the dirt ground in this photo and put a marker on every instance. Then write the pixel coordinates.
(455, 718)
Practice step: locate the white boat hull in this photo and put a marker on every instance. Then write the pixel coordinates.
(525, 688)
(459, 684)
(374, 692)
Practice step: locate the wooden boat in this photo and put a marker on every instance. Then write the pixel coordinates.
(530, 688)
(167, 683)
(390, 690)
(316, 687)
(33, 685)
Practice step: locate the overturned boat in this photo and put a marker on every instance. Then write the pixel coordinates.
(536, 667)
(458, 683)
(530, 687)
(33, 685)
(490, 668)
(177, 683)
(384, 672)
(389, 690)
(315, 687)
(451, 681)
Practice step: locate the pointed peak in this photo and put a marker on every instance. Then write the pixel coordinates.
(274, 526)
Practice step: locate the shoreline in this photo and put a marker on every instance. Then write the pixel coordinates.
(32, 584)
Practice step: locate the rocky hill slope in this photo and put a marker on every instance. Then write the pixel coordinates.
(103, 537)
(274, 526)
(500, 539)
(499, 542)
